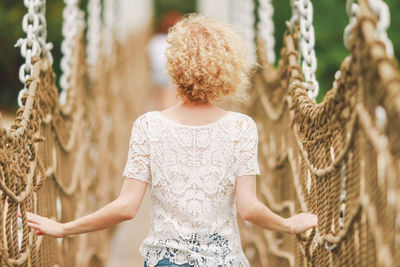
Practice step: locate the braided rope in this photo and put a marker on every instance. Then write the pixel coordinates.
(338, 159)
(45, 159)
(56, 155)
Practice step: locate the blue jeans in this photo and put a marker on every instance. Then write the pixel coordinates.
(166, 263)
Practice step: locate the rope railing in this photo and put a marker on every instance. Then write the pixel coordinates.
(338, 159)
(59, 155)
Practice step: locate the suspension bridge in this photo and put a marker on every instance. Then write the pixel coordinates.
(63, 155)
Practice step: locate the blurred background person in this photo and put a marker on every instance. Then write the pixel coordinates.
(164, 93)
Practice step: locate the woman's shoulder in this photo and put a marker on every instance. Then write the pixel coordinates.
(147, 115)
(242, 117)
(245, 124)
(145, 118)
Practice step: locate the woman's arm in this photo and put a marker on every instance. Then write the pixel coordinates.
(123, 208)
(252, 210)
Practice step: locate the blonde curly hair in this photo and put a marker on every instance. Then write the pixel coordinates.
(207, 60)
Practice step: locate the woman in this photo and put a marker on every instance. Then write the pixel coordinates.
(200, 160)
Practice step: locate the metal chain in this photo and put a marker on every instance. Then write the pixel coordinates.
(35, 44)
(72, 22)
(109, 24)
(42, 33)
(382, 12)
(352, 10)
(130, 18)
(93, 34)
(123, 21)
(242, 18)
(215, 9)
(248, 21)
(302, 15)
(266, 28)
(30, 46)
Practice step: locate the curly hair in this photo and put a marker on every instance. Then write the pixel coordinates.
(206, 60)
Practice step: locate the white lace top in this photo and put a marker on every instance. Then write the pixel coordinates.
(192, 172)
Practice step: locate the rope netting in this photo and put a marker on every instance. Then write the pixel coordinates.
(63, 158)
(339, 159)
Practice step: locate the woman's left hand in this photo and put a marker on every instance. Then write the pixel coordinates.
(45, 226)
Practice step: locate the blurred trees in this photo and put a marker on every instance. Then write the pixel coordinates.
(161, 7)
(330, 19)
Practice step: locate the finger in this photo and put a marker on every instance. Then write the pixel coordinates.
(39, 233)
(33, 217)
(32, 220)
(33, 225)
(315, 221)
(312, 223)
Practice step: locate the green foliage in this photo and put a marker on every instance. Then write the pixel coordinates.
(11, 14)
(10, 30)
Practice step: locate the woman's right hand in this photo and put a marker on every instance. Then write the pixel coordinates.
(302, 222)
(45, 226)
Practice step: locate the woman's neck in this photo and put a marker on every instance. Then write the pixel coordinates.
(193, 113)
(195, 105)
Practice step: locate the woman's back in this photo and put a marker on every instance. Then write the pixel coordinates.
(192, 171)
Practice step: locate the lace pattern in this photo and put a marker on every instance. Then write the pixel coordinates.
(192, 172)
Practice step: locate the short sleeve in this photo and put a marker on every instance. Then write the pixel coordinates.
(138, 162)
(248, 161)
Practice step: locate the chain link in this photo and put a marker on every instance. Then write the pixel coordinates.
(130, 18)
(93, 34)
(72, 22)
(215, 9)
(352, 10)
(266, 28)
(381, 10)
(109, 24)
(34, 44)
(242, 18)
(122, 21)
(302, 15)
(29, 45)
(42, 33)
